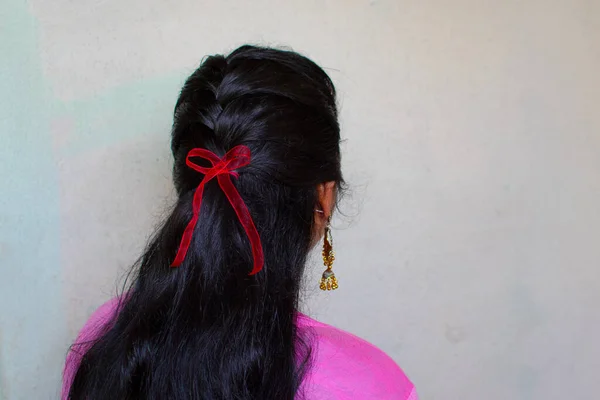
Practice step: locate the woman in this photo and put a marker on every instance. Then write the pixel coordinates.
(212, 310)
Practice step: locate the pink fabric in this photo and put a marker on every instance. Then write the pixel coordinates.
(344, 366)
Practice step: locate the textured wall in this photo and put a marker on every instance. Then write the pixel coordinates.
(470, 250)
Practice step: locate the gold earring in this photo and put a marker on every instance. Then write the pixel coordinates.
(328, 280)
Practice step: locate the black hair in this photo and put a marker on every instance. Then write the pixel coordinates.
(208, 330)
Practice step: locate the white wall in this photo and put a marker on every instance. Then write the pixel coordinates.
(472, 147)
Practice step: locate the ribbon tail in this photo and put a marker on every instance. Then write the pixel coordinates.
(186, 238)
(184, 245)
(245, 218)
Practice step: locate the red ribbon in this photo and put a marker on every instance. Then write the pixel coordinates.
(222, 168)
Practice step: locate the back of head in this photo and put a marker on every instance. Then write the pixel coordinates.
(208, 329)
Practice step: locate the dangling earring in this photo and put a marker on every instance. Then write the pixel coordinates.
(328, 280)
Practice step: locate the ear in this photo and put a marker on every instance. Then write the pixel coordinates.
(326, 198)
(326, 201)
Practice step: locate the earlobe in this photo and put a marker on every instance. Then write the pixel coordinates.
(323, 208)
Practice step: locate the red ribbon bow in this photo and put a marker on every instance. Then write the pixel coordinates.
(237, 157)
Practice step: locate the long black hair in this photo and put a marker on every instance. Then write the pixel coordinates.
(208, 330)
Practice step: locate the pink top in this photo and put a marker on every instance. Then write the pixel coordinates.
(345, 367)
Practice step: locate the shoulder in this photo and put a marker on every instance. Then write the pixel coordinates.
(98, 321)
(92, 330)
(345, 366)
